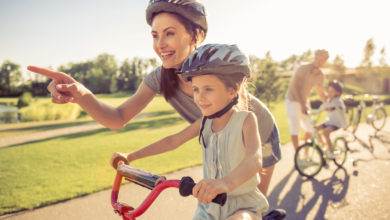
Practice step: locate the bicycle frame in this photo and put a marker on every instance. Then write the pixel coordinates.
(128, 212)
(151, 181)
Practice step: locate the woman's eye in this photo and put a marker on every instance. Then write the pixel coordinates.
(170, 33)
(209, 89)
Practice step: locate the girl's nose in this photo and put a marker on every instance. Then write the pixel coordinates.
(200, 96)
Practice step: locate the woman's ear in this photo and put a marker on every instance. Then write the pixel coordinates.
(199, 37)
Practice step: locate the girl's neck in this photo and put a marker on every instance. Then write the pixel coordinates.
(221, 122)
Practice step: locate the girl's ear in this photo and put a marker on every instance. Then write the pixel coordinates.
(232, 92)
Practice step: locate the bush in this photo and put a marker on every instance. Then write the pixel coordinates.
(24, 100)
(10, 115)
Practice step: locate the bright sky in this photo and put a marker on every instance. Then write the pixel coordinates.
(53, 32)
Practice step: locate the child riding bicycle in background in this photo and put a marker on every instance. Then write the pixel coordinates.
(228, 133)
(335, 111)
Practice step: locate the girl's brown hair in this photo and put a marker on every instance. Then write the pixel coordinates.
(239, 83)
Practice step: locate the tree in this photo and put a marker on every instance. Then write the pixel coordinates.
(10, 78)
(339, 67)
(268, 86)
(365, 67)
(294, 61)
(102, 72)
(79, 71)
(382, 59)
(132, 71)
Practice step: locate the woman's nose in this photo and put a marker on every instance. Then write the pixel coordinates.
(161, 42)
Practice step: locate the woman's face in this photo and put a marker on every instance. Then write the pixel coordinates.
(210, 94)
(171, 41)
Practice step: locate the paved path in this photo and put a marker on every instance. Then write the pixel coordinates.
(14, 140)
(355, 192)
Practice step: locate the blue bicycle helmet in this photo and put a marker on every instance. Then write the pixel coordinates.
(192, 10)
(216, 59)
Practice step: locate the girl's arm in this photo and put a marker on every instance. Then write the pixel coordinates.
(206, 189)
(166, 144)
(252, 162)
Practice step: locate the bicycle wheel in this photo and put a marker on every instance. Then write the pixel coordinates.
(340, 149)
(350, 114)
(379, 118)
(308, 160)
(356, 120)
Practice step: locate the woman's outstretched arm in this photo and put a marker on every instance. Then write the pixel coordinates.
(65, 89)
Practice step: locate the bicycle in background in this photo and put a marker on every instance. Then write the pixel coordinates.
(376, 118)
(311, 156)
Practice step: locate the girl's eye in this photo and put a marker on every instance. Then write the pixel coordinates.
(194, 89)
(170, 33)
(154, 36)
(209, 89)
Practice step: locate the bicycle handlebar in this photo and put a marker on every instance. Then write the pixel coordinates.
(187, 183)
(151, 181)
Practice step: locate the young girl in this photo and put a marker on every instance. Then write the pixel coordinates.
(335, 111)
(228, 134)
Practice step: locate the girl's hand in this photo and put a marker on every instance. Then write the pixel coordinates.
(63, 88)
(207, 189)
(116, 157)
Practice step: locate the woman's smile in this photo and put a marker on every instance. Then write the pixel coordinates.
(166, 55)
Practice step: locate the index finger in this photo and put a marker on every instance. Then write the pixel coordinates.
(54, 75)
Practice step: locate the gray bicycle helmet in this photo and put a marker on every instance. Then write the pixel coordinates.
(216, 59)
(192, 10)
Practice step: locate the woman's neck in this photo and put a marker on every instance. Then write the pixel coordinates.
(220, 123)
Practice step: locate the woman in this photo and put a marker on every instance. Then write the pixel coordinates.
(177, 28)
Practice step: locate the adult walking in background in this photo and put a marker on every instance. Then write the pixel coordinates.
(178, 27)
(297, 103)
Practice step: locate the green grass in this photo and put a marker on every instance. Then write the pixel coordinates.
(42, 106)
(44, 172)
(279, 112)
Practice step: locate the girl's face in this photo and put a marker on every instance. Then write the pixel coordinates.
(211, 94)
(332, 92)
(171, 41)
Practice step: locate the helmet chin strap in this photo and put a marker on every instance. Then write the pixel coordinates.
(216, 115)
(224, 110)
